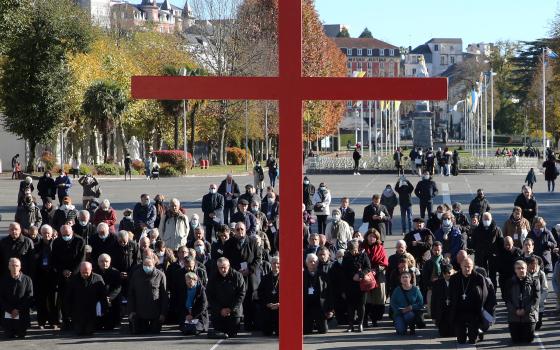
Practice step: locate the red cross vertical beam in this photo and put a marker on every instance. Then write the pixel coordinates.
(291, 90)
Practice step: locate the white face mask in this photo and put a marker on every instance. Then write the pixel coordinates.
(447, 222)
(213, 190)
(439, 215)
(194, 222)
(486, 223)
(426, 177)
(306, 182)
(339, 260)
(336, 218)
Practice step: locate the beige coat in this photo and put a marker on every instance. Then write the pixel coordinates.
(517, 232)
(174, 230)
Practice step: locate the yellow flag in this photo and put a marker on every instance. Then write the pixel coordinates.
(397, 105)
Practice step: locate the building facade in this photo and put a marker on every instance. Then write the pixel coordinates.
(98, 10)
(439, 54)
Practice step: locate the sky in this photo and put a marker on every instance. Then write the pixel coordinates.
(412, 23)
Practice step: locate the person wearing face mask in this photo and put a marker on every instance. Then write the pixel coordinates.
(63, 184)
(127, 223)
(419, 241)
(389, 200)
(147, 298)
(102, 243)
(308, 193)
(522, 302)
(83, 227)
(486, 242)
(213, 209)
(272, 166)
(269, 298)
(517, 227)
(44, 281)
(144, 215)
(451, 238)
(25, 187)
(321, 206)
(68, 251)
(535, 271)
(47, 211)
(28, 214)
(435, 219)
(270, 207)
(229, 189)
(245, 216)
(202, 249)
(376, 216)
(544, 243)
(426, 190)
(66, 212)
(107, 215)
(528, 204)
(45, 187)
(174, 226)
(90, 187)
(479, 204)
(262, 220)
(338, 231)
(375, 299)
(461, 219)
(258, 179)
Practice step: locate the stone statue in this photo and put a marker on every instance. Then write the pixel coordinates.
(133, 148)
(423, 106)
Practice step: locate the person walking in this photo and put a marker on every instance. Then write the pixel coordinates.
(356, 156)
(404, 188)
(258, 179)
(531, 178)
(272, 166)
(426, 190)
(321, 206)
(550, 172)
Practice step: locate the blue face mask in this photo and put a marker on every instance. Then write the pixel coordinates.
(66, 238)
(147, 269)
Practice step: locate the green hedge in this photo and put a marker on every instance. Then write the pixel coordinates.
(109, 169)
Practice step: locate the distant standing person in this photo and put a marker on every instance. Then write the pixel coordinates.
(550, 172)
(357, 156)
(426, 190)
(75, 167)
(127, 167)
(14, 163)
(258, 174)
(398, 158)
(531, 178)
(148, 167)
(455, 165)
(272, 170)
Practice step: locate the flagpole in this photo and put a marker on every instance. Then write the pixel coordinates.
(485, 117)
(375, 127)
(362, 124)
(492, 109)
(369, 128)
(543, 102)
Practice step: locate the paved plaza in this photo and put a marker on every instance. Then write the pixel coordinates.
(501, 191)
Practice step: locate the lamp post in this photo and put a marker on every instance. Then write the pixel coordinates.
(183, 72)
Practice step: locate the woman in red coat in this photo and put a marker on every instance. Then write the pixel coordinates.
(375, 302)
(105, 214)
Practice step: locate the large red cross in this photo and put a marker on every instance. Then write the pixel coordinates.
(290, 89)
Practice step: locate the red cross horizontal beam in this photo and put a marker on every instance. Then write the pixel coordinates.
(274, 88)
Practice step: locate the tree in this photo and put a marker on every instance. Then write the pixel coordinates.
(104, 103)
(35, 79)
(343, 33)
(366, 34)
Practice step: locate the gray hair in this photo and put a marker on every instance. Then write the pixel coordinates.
(102, 226)
(46, 228)
(176, 202)
(223, 260)
(191, 275)
(85, 214)
(103, 257)
(122, 234)
(275, 259)
(105, 203)
(340, 251)
(310, 257)
(401, 242)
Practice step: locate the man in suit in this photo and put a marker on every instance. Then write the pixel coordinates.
(376, 215)
(213, 209)
(347, 213)
(230, 191)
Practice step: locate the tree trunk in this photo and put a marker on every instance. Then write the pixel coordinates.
(113, 147)
(31, 158)
(95, 146)
(192, 115)
(222, 149)
(176, 132)
(105, 146)
(122, 141)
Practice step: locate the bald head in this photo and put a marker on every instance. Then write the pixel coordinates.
(85, 269)
(461, 255)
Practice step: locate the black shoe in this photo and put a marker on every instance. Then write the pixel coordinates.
(412, 331)
(480, 335)
(350, 329)
(360, 329)
(472, 341)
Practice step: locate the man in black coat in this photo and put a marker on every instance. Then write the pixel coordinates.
(213, 209)
(376, 215)
(83, 226)
(507, 256)
(308, 192)
(45, 187)
(468, 295)
(15, 245)
(230, 191)
(487, 242)
(245, 216)
(405, 188)
(67, 254)
(126, 258)
(479, 205)
(526, 201)
(16, 296)
(356, 155)
(250, 194)
(426, 190)
(441, 302)
(461, 219)
(419, 241)
(102, 243)
(225, 292)
(85, 298)
(44, 280)
(176, 286)
(346, 213)
(245, 256)
(113, 287)
(317, 297)
(269, 299)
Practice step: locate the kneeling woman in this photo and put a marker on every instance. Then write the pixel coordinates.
(406, 301)
(195, 312)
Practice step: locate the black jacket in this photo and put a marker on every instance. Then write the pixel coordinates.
(426, 190)
(222, 189)
(378, 224)
(441, 301)
(479, 206)
(147, 294)
(486, 241)
(354, 264)
(348, 215)
(82, 296)
(308, 192)
(529, 208)
(248, 252)
(86, 232)
(405, 193)
(61, 218)
(475, 290)
(322, 294)
(199, 308)
(506, 259)
(126, 257)
(46, 187)
(544, 244)
(268, 290)
(100, 246)
(67, 255)
(213, 203)
(16, 294)
(28, 215)
(226, 292)
(248, 219)
(113, 284)
(21, 248)
(422, 246)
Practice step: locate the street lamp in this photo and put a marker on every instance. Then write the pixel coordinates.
(183, 72)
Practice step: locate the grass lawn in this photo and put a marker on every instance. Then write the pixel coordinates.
(219, 170)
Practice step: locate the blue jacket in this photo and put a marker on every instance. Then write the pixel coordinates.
(399, 301)
(454, 242)
(144, 215)
(63, 191)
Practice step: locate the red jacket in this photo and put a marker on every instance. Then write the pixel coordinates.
(109, 217)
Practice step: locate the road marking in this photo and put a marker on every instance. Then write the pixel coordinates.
(362, 191)
(445, 193)
(217, 344)
(198, 199)
(468, 185)
(539, 341)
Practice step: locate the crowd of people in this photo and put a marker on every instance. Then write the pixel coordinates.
(445, 162)
(90, 270)
(529, 152)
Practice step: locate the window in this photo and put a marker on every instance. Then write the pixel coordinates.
(349, 104)
(382, 65)
(359, 52)
(344, 50)
(413, 71)
(442, 60)
(369, 65)
(381, 52)
(451, 48)
(391, 52)
(452, 59)
(436, 47)
(369, 52)
(349, 52)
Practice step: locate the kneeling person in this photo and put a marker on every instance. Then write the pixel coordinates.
(16, 295)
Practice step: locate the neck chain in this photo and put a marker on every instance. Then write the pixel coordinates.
(464, 296)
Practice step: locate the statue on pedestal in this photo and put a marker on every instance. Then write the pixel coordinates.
(133, 148)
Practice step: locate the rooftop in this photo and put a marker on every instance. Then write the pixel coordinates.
(363, 43)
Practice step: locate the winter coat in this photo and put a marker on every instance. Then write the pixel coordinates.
(390, 202)
(529, 207)
(226, 292)
(479, 206)
(89, 188)
(405, 193)
(351, 265)
(308, 193)
(21, 248)
(323, 198)
(82, 296)
(147, 294)
(401, 299)
(67, 255)
(523, 294)
(378, 224)
(109, 217)
(426, 190)
(61, 217)
(28, 215)
(102, 246)
(486, 241)
(46, 187)
(544, 244)
(16, 294)
(550, 171)
(144, 215)
(213, 203)
(63, 185)
(199, 308)
(174, 230)
(531, 178)
(338, 233)
(517, 231)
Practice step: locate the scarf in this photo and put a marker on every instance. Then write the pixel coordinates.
(376, 254)
(437, 265)
(514, 220)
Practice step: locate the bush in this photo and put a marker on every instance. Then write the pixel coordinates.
(168, 170)
(49, 160)
(175, 159)
(235, 156)
(138, 165)
(109, 169)
(86, 169)
(56, 169)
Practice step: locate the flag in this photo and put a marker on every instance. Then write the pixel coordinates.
(397, 105)
(382, 105)
(550, 53)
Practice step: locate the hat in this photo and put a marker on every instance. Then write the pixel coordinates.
(243, 202)
(418, 220)
(305, 178)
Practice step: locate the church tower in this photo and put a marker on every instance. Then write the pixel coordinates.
(151, 9)
(188, 16)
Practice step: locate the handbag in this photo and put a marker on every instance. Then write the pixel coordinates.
(98, 192)
(368, 282)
